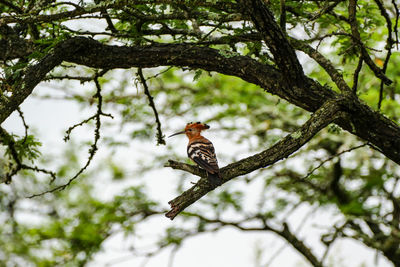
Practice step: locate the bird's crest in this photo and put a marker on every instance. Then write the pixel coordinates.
(198, 125)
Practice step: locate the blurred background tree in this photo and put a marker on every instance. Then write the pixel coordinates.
(253, 70)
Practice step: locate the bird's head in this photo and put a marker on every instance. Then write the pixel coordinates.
(192, 129)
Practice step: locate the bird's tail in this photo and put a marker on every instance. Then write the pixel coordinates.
(214, 178)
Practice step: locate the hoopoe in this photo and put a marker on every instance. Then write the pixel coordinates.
(201, 151)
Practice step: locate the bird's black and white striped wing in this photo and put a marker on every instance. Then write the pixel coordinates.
(202, 152)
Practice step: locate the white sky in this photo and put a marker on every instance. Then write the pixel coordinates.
(228, 247)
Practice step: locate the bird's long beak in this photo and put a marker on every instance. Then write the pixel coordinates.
(181, 132)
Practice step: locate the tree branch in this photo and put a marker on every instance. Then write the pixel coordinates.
(11, 45)
(93, 148)
(8, 140)
(276, 40)
(284, 148)
(363, 122)
(396, 29)
(12, 6)
(356, 74)
(90, 9)
(285, 233)
(388, 46)
(335, 75)
(357, 38)
(330, 158)
(299, 245)
(160, 136)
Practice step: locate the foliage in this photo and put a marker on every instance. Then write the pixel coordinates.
(336, 171)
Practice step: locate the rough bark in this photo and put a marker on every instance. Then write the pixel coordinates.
(328, 113)
(362, 121)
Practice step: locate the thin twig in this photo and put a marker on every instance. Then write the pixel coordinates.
(172, 255)
(328, 244)
(297, 231)
(160, 136)
(37, 169)
(326, 9)
(21, 115)
(389, 44)
(68, 132)
(385, 64)
(327, 65)
(332, 157)
(357, 41)
(110, 24)
(93, 148)
(8, 140)
(82, 79)
(284, 233)
(12, 6)
(356, 74)
(396, 24)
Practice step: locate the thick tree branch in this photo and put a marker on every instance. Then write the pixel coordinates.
(86, 51)
(11, 45)
(275, 38)
(363, 122)
(329, 112)
(90, 9)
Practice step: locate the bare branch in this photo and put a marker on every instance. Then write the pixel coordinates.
(284, 148)
(284, 233)
(160, 136)
(26, 127)
(309, 96)
(336, 77)
(296, 232)
(90, 9)
(37, 169)
(329, 239)
(330, 158)
(93, 147)
(356, 74)
(275, 39)
(396, 24)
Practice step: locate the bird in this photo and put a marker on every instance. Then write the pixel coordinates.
(201, 151)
